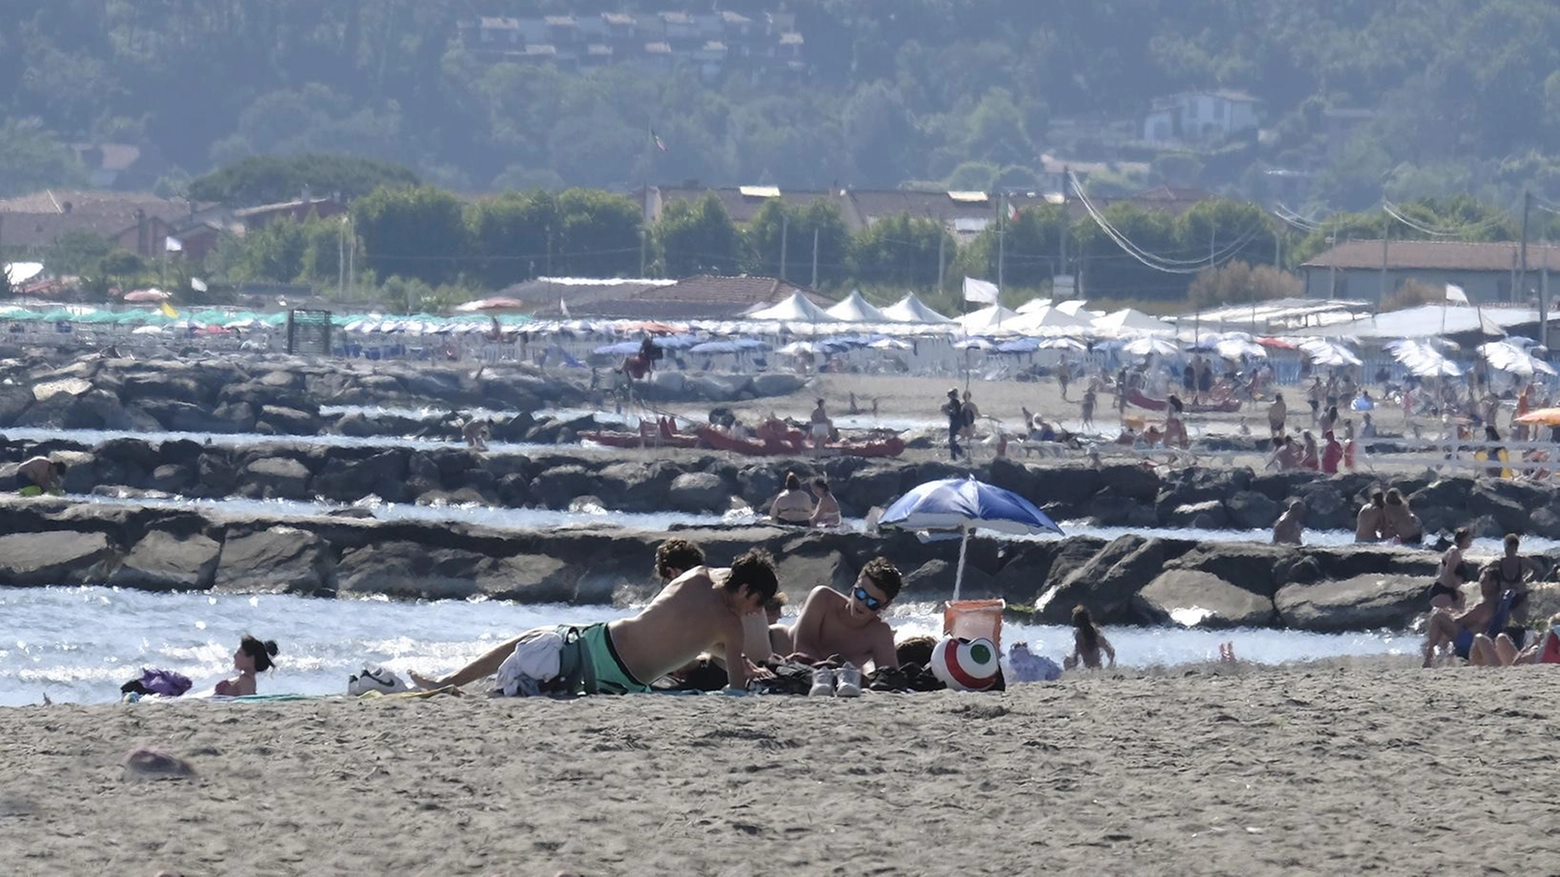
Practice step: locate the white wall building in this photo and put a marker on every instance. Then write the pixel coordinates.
(1199, 116)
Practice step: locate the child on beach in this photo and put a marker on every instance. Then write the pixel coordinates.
(1088, 643)
(851, 627)
(253, 656)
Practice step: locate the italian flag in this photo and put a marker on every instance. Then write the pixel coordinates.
(656, 139)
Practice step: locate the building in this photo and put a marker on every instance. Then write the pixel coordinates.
(711, 42)
(1194, 117)
(1487, 273)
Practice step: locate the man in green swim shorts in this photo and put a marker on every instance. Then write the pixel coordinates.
(693, 613)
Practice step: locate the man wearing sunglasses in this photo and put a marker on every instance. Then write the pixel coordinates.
(850, 627)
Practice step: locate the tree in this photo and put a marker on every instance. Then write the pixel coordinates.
(510, 236)
(902, 251)
(32, 158)
(698, 238)
(417, 232)
(76, 252)
(268, 179)
(777, 223)
(1239, 282)
(600, 234)
(6, 288)
(1030, 249)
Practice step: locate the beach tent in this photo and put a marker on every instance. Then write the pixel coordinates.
(1132, 320)
(1422, 359)
(490, 304)
(1327, 354)
(1044, 318)
(1150, 347)
(855, 309)
(912, 310)
(989, 318)
(1034, 304)
(1074, 308)
(796, 309)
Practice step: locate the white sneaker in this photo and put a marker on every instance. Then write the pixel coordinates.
(823, 683)
(847, 681)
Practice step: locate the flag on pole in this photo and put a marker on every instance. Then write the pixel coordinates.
(173, 244)
(1012, 212)
(1455, 294)
(656, 139)
(564, 307)
(980, 291)
(197, 284)
(168, 310)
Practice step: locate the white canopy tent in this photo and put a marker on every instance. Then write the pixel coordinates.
(1421, 359)
(1033, 305)
(855, 309)
(1075, 308)
(1511, 357)
(988, 319)
(1132, 320)
(1045, 318)
(912, 310)
(796, 309)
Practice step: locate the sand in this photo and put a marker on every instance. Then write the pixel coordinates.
(1326, 769)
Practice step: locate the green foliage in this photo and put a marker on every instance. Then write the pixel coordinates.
(511, 236)
(31, 158)
(287, 251)
(902, 251)
(122, 266)
(6, 289)
(77, 252)
(698, 238)
(779, 227)
(1240, 282)
(416, 232)
(599, 234)
(269, 179)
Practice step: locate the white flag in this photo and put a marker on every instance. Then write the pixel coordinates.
(980, 291)
(564, 307)
(174, 245)
(197, 284)
(1455, 294)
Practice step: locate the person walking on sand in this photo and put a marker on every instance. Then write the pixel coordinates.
(1063, 375)
(1088, 643)
(1277, 413)
(822, 426)
(955, 413)
(1089, 399)
(971, 413)
(693, 613)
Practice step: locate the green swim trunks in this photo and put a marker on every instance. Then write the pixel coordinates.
(612, 677)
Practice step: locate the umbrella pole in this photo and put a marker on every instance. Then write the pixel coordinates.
(964, 547)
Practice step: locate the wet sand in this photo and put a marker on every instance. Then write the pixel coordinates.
(1336, 768)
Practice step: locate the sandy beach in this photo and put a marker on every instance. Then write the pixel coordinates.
(1335, 768)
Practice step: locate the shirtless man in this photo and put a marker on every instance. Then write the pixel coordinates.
(832, 624)
(691, 614)
(1291, 524)
(675, 557)
(36, 475)
(1372, 517)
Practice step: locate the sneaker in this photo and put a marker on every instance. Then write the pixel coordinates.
(847, 681)
(823, 683)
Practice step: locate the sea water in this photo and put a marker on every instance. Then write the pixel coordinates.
(79, 644)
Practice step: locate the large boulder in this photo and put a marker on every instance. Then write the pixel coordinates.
(934, 580)
(278, 420)
(637, 486)
(1135, 482)
(1260, 569)
(698, 492)
(1192, 598)
(801, 571)
(776, 384)
(277, 560)
(1250, 510)
(1365, 602)
(276, 478)
(415, 570)
(1106, 583)
(558, 486)
(163, 561)
(57, 557)
(1206, 515)
(349, 479)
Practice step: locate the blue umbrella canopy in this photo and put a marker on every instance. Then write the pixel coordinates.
(965, 504)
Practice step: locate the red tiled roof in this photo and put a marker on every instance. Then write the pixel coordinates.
(1437, 256)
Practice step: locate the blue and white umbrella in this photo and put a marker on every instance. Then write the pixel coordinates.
(964, 504)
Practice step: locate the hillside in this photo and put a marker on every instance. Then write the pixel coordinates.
(1348, 97)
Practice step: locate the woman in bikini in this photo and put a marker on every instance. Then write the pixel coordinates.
(1088, 643)
(1446, 594)
(253, 656)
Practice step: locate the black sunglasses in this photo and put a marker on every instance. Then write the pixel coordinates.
(868, 600)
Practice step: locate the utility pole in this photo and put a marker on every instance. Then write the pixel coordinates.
(1386, 234)
(1527, 208)
(1001, 244)
(1543, 291)
(815, 259)
(1062, 263)
(644, 244)
(942, 240)
(785, 229)
(341, 260)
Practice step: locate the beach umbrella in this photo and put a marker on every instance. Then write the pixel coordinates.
(1062, 343)
(890, 344)
(622, 348)
(1510, 357)
(1150, 346)
(975, 344)
(1541, 417)
(147, 295)
(964, 504)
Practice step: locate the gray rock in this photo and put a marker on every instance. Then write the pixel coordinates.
(1106, 583)
(698, 492)
(1260, 569)
(288, 421)
(277, 478)
(163, 561)
(58, 557)
(1250, 510)
(1130, 481)
(1192, 598)
(799, 572)
(557, 487)
(934, 580)
(278, 560)
(171, 478)
(776, 384)
(1200, 515)
(349, 479)
(1364, 602)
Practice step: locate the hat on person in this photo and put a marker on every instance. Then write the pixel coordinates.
(954, 393)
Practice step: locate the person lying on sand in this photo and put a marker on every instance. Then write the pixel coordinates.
(851, 628)
(253, 656)
(693, 613)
